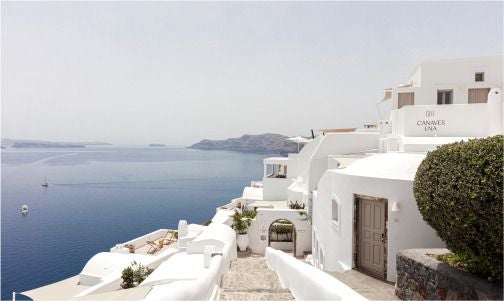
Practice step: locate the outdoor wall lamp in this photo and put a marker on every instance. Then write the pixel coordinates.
(395, 207)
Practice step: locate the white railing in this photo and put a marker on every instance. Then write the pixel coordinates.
(305, 281)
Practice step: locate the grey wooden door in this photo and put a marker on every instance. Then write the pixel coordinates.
(372, 236)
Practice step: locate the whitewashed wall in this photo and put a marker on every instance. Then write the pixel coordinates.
(275, 189)
(453, 74)
(406, 229)
(313, 164)
(442, 121)
(265, 217)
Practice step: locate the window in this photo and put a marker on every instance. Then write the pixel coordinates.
(405, 99)
(336, 213)
(479, 76)
(479, 95)
(445, 97)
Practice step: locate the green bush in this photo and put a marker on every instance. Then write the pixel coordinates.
(459, 192)
(128, 278)
(134, 275)
(296, 205)
(242, 220)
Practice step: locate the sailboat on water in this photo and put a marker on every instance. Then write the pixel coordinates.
(45, 184)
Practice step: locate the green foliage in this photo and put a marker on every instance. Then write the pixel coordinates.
(243, 220)
(251, 214)
(296, 205)
(127, 277)
(459, 192)
(281, 230)
(134, 275)
(453, 260)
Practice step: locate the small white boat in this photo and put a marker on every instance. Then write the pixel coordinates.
(24, 209)
(45, 184)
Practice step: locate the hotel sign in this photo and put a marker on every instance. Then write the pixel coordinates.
(442, 121)
(430, 123)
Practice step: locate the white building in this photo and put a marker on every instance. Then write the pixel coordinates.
(365, 212)
(357, 187)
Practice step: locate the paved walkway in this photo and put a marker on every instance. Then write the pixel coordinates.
(367, 286)
(250, 279)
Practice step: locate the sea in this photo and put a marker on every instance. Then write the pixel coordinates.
(103, 195)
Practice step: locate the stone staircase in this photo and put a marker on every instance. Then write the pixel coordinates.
(250, 279)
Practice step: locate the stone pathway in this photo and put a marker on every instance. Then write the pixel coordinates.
(367, 286)
(250, 279)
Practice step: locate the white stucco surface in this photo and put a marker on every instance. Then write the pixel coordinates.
(252, 193)
(388, 176)
(258, 230)
(306, 282)
(400, 166)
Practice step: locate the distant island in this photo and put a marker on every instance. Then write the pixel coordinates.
(263, 143)
(156, 145)
(18, 143)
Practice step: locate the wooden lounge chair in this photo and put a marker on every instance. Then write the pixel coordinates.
(170, 237)
(153, 247)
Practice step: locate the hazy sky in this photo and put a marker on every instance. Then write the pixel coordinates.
(175, 73)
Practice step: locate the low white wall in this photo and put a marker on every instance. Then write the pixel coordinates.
(306, 282)
(282, 245)
(203, 288)
(406, 229)
(275, 189)
(463, 120)
(142, 240)
(258, 230)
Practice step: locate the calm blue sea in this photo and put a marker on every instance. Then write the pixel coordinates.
(100, 196)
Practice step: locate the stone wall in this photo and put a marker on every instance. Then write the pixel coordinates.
(421, 277)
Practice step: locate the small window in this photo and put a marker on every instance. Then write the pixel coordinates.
(445, 97)
(405, 99)
(479, 76)
(336, 212)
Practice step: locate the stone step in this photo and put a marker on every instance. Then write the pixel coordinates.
(248, 264)
(250, 280)
(259, 296)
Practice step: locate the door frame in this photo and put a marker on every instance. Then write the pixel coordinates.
(294, 238)
(356, 236)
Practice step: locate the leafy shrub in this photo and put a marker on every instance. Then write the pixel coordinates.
(134, 275)
(242, 220)
(296, 205)
(249, 213)
(459, 192)
(127, 277)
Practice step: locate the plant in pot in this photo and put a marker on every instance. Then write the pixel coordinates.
(241, 222)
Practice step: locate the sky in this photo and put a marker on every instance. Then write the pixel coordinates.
(179, 72)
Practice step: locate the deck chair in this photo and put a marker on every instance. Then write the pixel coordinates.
(170, 237)
(153, 247)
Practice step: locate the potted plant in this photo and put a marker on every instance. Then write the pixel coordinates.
(241, 222)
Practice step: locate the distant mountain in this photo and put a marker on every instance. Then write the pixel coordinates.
(156, 145)
(264, 143)
(19, 143)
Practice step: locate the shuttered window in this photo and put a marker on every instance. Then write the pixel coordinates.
(405, 99)
(479, 95)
